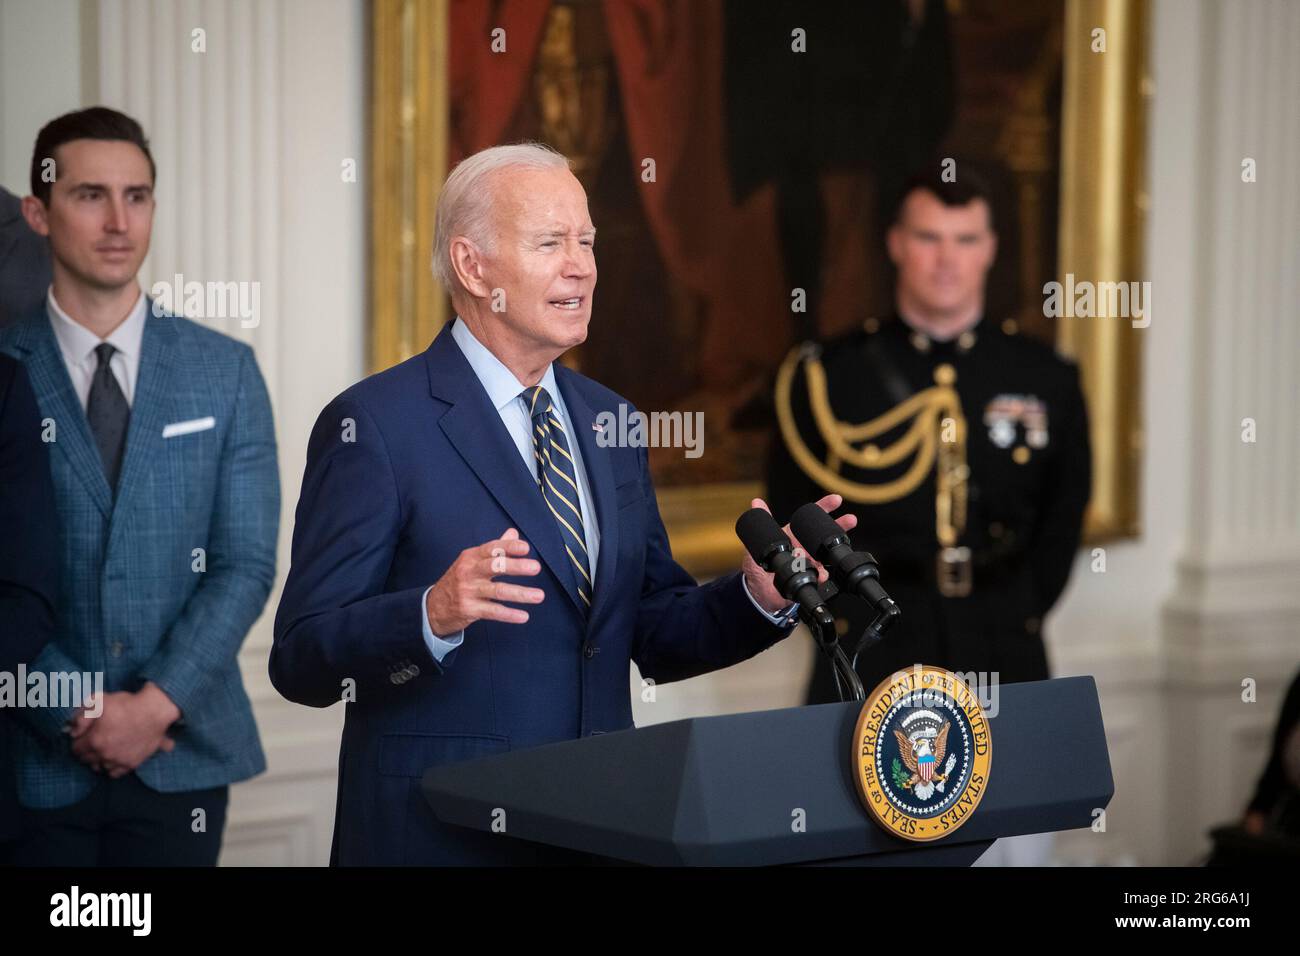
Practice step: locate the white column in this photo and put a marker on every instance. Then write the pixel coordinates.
(249, 137)
(1234, 613)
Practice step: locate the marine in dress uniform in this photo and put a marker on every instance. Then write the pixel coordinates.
(976, 548)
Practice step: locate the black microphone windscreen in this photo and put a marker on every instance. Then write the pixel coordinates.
(812, 526)
(759, 532)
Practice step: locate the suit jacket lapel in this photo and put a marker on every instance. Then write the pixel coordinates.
(474, 428)
(600, 475)
(148, 409)
(58, 400)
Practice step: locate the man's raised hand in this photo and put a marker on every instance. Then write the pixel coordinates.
(468, 593)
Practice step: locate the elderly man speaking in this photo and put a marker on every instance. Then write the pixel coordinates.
(472, 571)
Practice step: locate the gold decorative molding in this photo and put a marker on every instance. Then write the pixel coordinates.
(409, 130)
(1102, 224)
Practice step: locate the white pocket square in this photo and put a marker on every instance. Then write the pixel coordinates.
(185, 428)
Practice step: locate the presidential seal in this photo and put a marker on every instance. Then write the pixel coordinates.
(921, 753)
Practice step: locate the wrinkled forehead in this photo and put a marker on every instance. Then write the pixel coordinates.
(530, 200)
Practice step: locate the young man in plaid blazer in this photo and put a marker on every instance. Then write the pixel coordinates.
(163, 457)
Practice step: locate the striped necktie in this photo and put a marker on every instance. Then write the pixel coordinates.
(557, 477)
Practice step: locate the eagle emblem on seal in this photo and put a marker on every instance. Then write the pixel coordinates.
(922, 744)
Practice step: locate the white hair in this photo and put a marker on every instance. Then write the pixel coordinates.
(465, 204)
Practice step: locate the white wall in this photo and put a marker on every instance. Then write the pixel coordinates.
(1233, 617)
(40, 77)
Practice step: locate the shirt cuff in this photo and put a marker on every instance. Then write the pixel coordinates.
(781, 619)
(439, 647)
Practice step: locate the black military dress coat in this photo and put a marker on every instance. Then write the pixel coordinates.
(1029, 460)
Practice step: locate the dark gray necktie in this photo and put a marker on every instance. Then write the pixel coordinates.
(108, 414)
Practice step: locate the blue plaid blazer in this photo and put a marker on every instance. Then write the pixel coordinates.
(132, 604)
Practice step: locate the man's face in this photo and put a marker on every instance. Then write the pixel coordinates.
(943, 253)
(100, 212)
(544, 258)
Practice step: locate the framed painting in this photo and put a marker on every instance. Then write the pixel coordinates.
(719, 195)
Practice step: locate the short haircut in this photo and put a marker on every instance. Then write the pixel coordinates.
(966, 187)
(96, 122)
(465, 204)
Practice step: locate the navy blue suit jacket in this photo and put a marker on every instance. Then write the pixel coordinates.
(407, 469)
(29, 553)
(24, 262)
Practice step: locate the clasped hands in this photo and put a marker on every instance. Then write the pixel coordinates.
(131, 728)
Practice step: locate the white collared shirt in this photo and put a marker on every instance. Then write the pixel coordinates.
(77, 345)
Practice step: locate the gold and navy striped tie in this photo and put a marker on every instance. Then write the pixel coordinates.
(557, 477)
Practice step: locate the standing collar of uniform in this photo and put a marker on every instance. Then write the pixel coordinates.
(924, 343)
(499, 382)
(79, 343)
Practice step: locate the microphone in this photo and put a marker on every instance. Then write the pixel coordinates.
(795, 579)
(852, 571)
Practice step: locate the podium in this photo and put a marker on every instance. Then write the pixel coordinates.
(776, 787)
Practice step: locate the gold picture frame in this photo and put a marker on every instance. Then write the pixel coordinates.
(409, 115)
(1102, 226)
(1102, 209)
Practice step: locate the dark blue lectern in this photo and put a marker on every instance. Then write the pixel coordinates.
(727, 791)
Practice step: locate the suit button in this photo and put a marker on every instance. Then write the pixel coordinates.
(116, 649)
(395, 678)
(588, 651)
(412, 671)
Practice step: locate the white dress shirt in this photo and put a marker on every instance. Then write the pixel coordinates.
(77, 345)
(504, 392)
